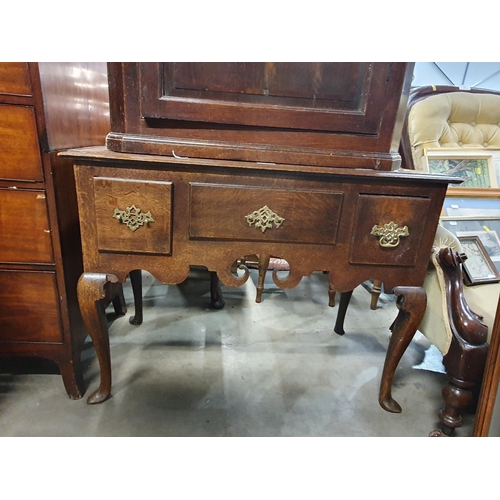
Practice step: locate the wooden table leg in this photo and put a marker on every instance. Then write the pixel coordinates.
(95, 292)
(345, 298)
(136, 282)
(411, 302)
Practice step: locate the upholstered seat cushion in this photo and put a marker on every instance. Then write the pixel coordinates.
(454, 120)
(483, 300)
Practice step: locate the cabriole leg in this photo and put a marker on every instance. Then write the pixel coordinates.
(411, 302)
(95, 292)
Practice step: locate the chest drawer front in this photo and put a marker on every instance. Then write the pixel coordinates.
(377, 241)
(133, 215)
(30, 307)
(24, 226)
(15, 78)
(256, 214)
(19, 149)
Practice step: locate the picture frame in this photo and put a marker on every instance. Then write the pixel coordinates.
(458, 206)
(478, 268)
(487, 229)
(479, 168)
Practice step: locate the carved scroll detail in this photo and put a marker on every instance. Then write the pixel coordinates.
(389, 234)
(264, 218)
(132, 217)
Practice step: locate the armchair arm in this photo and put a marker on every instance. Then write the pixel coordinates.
(462, 322)
(465, 346)
(448, 314)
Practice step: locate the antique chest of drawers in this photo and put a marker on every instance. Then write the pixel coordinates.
(44, 108)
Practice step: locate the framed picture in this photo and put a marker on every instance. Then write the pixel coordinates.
(487, 229)
(458, 206)
(478, 268)
(479, 169)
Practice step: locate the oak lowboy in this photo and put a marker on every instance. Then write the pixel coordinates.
(164, 214)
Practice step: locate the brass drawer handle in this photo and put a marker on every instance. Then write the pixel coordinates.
(389, 234)
(133, 217)
(264, 218)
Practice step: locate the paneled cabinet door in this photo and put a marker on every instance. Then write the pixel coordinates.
(341, 96)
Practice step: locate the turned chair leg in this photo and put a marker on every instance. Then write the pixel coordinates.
(331, 295)
(464, 369)
(375, 292)
(263, 265)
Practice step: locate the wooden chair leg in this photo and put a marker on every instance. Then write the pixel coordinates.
(331, 295)
(263, 265)
(464, 365)
(345, 298)
(136, 282)
(376, 291)
(216, 298)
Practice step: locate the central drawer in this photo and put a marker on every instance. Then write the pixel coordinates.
(251, 213)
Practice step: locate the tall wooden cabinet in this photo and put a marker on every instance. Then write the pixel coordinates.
(45, 108)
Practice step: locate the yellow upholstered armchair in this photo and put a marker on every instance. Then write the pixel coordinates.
(458, 318)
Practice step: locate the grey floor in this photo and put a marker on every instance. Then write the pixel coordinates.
(269, 369)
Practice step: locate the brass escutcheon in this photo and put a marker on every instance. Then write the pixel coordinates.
(132, 217)
(264, 218)
(389, 234)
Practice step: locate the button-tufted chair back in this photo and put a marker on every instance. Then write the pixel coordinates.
(448, 117)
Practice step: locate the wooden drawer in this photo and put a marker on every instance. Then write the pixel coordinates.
(29, 309)
(15, 78)
(19, 148)
(133, 215)
(259, 214)
(24, 226)
(377, 211)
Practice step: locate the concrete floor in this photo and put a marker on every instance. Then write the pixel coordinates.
(270, 369)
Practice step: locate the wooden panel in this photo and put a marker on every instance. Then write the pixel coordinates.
(30, 307)
(15, 78)
(311, 81)
(19, 149)
(219, 212)
(133, 196)
(306, 96)
(378, 210)
(76, 103)
(24, 226)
